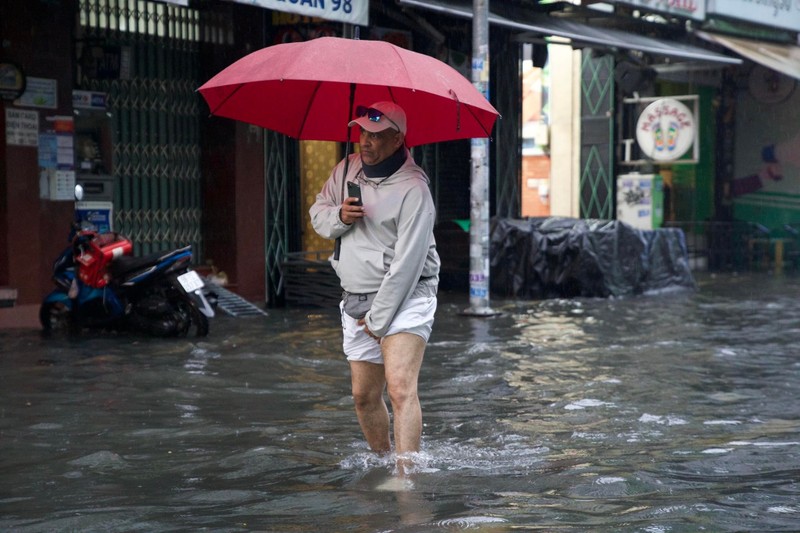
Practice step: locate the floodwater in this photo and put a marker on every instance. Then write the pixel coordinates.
(676, 412)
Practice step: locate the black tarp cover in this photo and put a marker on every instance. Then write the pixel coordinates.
(566, 257)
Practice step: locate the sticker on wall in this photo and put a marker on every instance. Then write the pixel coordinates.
(666, 129)
(12, 81)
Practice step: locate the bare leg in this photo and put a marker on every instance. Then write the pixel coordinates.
(402, 356)
(368, 382)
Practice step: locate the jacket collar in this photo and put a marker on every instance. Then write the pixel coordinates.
(387, 167)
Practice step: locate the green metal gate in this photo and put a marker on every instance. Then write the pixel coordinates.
(152, 51)
(597, 127)
(280, 236)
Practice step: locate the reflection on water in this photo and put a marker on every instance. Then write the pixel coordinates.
(664, 413)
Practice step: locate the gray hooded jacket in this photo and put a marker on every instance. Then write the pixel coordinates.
(391, 250)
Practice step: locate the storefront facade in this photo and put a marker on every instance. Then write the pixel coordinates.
(114, 91)
(115, 83)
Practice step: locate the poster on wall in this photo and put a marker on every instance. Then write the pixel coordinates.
(57, 159)
(22, 127)
(57, 150)
(39, 92)
(765, 185)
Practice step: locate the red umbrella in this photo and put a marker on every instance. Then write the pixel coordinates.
(307, 90)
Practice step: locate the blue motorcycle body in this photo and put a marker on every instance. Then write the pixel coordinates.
(159, 294)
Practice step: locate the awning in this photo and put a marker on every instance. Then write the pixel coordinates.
(583, 34)
(784, 58)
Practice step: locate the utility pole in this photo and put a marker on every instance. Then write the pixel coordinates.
(479, 176)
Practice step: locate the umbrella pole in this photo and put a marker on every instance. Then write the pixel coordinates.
(479, 178)
(337, 245)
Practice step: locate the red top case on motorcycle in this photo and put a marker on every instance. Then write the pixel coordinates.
(94, 261)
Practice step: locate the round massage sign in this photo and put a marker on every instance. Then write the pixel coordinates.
(665, 130)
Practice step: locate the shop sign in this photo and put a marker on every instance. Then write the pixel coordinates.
(349, 11)
(665, 130)
(694, 9)
(773, 13)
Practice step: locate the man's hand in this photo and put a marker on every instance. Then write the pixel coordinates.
(362, 322)
(349, 213)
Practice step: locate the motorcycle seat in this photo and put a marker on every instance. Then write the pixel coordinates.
(126, 264)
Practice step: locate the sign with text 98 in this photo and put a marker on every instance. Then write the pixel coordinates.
(349, 11)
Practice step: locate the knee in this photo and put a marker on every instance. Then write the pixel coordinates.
(366, 398)
(401, 394)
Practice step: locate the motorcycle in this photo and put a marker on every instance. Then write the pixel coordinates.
(99, 284)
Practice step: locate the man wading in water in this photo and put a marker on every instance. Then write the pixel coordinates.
(388, 267)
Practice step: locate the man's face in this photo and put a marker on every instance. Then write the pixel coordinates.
(375, 147)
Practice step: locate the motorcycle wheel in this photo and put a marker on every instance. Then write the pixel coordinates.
(194, 316)
(56, 317)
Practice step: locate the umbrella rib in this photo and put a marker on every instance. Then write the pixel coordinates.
(405, 67)
(228, 97)
(488, 133)
(308, 109)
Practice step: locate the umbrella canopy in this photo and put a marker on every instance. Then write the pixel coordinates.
(307, 90)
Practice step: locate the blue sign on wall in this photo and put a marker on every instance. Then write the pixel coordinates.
(98, 214)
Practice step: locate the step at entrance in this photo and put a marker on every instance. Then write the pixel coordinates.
(233, 304)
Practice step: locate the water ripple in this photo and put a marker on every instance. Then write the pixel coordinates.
(660, 413)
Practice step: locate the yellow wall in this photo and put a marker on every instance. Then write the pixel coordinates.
(317, 159)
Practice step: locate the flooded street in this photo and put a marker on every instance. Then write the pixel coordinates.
(675, 412)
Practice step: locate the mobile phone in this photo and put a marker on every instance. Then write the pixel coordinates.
(354, 190)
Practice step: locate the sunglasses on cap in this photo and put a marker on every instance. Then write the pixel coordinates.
(374, 115)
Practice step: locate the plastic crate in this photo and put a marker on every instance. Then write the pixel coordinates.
(97, 255)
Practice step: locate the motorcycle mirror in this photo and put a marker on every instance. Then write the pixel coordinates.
(79, 192)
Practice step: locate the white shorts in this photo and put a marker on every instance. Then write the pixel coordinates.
(415, 316)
